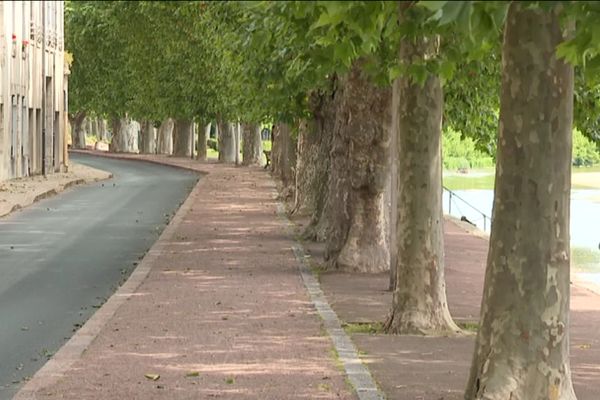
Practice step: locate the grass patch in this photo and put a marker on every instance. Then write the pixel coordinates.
(468, 326)
(370, 328)
(212, 153)
(466, 182)
(582, 178)
(585, 260)
(316, 269)
(595, 168)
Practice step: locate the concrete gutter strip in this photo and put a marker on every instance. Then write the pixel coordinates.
(358, 375)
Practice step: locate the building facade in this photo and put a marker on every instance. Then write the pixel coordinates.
(33, 88)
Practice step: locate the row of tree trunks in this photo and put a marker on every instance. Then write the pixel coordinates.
(82, 126)
(522, 345)
(252, 144)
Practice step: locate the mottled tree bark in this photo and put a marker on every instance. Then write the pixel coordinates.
(365, 122)
(283, 158)
(314, 161)
(238, 139)
(252, 144)
(165, 137)
(335, 219)
(522, 348)
(102, 133)
(392, 195)
(419, 299)
(227, 142)
(78, 133)
(94, 128)
(304, 199)
(148, 138)
(203, 133)
(276, 151)
(118, 138)
(182, 138)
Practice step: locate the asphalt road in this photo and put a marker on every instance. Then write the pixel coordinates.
(61, 258)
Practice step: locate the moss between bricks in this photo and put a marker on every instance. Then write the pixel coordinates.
(370, 328)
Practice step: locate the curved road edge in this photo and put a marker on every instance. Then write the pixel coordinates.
(38, 188)
(73, 349)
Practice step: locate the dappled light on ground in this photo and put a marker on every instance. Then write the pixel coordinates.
(225, 311)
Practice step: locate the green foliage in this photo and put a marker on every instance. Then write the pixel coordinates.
(461, 153)
(586, 110)
(585, 153)
(212, 144)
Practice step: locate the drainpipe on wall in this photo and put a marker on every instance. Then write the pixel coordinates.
(44, 172)
(67, 72)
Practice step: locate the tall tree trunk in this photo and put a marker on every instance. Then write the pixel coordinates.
(304, 198)
(148, 137)
(78, 133)
(252, 145)
(125, 136)
(419, 299)
(522, 348)
(276, 151)
(165, 137)
(227, 142)
(87, 126)
(238, 137)
(313, 166)
(283, 158)
(102, 134)
(118, 137)
(366, 123)
(203, 135)
(94, 128)
(392, 195)
(132, 135)
(335, 218)
(182, 135)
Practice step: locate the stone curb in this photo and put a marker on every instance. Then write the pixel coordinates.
(358, 374)
(59, 365)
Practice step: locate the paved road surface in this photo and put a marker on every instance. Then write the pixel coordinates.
(62, 257)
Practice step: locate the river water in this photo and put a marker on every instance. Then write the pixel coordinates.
(585, 214)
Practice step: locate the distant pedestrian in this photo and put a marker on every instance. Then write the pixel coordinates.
(265, 134)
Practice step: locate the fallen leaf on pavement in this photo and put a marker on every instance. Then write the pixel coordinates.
(153, 377)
